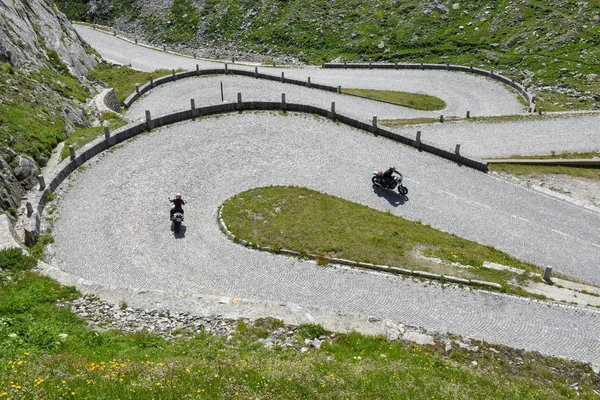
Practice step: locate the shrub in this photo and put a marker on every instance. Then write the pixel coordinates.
(310, 331)
(15, 260)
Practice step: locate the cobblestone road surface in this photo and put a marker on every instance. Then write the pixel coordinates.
(560, 134)
(460, 91)
(114, 228)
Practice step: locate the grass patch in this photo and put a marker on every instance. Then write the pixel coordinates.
(48, 352)
(32, 121)
(553, 101)
(495, 119)
(528, 169)
(398, 122)
(82, 136)
(311, 222)
(411, 100)
(558, 156)
(124, 79)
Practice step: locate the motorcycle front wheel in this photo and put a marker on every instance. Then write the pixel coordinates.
(403, 190)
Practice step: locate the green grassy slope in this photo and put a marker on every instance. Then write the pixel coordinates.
(546, 43)
(48, 352)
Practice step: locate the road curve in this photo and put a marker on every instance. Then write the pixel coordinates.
(113, 226)
(461, 92)
(117, 210)
(533, 136)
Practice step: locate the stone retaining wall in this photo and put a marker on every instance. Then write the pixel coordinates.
(529, 98)
(37, 203)
(107, 101)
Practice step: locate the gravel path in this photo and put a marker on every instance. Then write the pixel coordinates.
(117, 209)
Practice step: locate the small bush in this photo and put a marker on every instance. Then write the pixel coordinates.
(37, 250)
(251, 332)
(269, 323)
(15, 260)
(310, 331)
(41, 336)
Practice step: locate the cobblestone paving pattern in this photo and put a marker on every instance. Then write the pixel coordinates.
(535, 137)
(176, 96)
(460, 91)
(114, 228)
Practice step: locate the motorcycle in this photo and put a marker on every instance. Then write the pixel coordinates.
(396, 182)
(177, 220)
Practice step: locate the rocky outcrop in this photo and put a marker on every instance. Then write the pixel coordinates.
(34, 35)
(32, 28)
(26, 171)
(10, 190)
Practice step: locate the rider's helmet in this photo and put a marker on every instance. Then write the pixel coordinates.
(178, 196)
(392, 168)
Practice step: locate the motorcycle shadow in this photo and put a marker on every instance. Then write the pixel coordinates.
(394, 198)
(181, 233)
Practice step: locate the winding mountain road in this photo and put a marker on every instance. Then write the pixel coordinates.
(113, 226)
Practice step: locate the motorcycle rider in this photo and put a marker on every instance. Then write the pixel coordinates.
(178, 202)
(388, 175)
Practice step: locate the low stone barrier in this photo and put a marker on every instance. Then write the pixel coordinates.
(64, 169)
(529, 98)
(141, 90)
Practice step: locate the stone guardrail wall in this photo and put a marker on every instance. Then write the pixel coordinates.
(174, 76)
(350, 263)
(107, 101)
(140, 91)
(32, 222)
(529, 98)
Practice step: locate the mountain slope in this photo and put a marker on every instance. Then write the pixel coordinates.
(41, 96)
(553, 43)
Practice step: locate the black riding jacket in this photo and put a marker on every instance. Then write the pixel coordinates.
(388, 174)
(177, 204)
